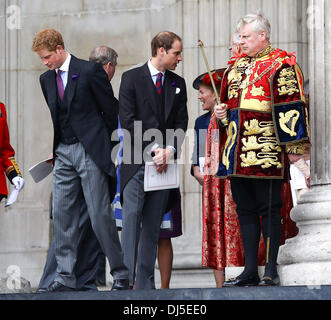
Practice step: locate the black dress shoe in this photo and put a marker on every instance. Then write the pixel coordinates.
(268, 281)
(120, 284)
(242, 282)
(59, 287)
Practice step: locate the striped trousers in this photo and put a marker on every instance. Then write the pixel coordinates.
(75, 174)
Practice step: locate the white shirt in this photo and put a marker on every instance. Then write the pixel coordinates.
(154, 72)
(65, 70)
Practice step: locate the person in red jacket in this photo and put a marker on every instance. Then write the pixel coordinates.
(8, 165)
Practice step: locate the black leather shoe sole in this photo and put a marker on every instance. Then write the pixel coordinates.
(244, 282)
(59, 287)
(268, 281)
(120, 284)
(41, 290)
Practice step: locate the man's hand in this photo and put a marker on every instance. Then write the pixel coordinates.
(221, 111)
(161, 168)
(198, 175)
(162, 157)
(50, 159)
(308, 181)
(301, 164)
(18, 182)
(294, 157)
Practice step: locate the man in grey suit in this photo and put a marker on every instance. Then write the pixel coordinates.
(152, 97)
(84, 114)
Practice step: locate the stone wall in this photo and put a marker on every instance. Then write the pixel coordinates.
(128, 27)
(306, 258)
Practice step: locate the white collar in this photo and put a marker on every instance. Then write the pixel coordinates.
(152, 69)
(65, 66)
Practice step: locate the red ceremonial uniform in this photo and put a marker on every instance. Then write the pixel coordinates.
(8, 165)
(267, 118)
(267, 115)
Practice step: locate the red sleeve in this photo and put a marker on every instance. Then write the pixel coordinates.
(7, 153)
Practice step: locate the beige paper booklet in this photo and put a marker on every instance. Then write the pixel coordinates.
(41, 170)
(160, 181)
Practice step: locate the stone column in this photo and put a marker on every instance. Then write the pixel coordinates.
(306, 258)
(23, 225)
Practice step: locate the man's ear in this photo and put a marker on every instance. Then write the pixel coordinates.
(161, 51)
(59, 49)
(106, 67)
(263, 35)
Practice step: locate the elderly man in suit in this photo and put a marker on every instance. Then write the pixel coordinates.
(84, 114)
(151, 97)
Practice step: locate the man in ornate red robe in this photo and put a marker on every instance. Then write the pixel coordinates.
(264, 123)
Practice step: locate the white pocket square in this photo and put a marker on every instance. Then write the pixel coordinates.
(177, 90)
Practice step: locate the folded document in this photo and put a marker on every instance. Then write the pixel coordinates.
(160, 181)
(41, 170)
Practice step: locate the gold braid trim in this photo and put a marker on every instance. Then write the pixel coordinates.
(265, 51)
(296, 148)
(13, 167)
(9, 170)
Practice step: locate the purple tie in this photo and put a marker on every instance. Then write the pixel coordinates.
(158, 83)
(59, 84)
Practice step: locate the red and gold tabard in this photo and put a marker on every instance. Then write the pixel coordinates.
(267, 115)
(8, 165)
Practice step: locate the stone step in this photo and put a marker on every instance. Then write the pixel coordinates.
(196, 294)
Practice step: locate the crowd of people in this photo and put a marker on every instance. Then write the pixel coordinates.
(244, 146)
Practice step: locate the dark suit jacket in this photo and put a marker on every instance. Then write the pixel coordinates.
(138, 101)
(92, 109)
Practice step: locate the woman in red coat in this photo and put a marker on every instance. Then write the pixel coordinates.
(8, 165)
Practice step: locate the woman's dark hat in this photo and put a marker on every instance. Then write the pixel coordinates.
(204, 78)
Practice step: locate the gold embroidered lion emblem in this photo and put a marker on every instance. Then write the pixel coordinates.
(264, 160)
(256, 127)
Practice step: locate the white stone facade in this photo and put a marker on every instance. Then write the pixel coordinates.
(306, 258)
(128, 27)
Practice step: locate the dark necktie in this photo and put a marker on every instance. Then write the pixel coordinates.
(158, 83)
(59, 84)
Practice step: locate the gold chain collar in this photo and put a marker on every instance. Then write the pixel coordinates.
(264, 52)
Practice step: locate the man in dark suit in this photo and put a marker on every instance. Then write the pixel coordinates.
(84, 115)
(150, 97)
(90, 265)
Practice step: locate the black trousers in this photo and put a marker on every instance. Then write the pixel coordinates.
(253, 198)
